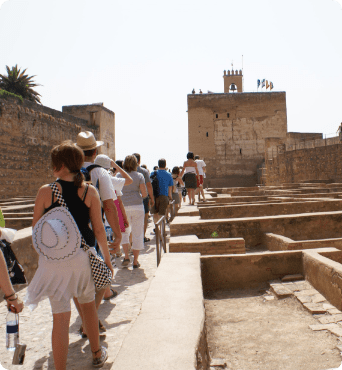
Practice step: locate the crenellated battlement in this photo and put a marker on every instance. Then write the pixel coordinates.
(231, 73)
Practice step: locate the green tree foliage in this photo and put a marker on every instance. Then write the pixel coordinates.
(16, 82)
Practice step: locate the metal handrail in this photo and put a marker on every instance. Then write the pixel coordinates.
(160, 238)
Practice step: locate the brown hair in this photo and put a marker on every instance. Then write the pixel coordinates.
(130, 163)
(71, 156)
(175, 170)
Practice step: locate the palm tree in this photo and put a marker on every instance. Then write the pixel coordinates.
(18, 83)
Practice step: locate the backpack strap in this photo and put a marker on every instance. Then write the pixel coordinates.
(85, 193)
(92, 166)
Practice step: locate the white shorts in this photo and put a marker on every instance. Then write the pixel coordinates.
(135, 216)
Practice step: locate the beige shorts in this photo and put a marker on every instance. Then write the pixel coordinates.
(160, 205)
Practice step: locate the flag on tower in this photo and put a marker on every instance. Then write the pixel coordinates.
(263, 83)
(267, 85)
(271, 85)
(258, 83)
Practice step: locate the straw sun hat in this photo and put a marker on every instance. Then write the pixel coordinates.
(56, 235)
(86, 141)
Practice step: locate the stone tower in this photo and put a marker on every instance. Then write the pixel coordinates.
(228, 130)
(232, 77)
(102, 121)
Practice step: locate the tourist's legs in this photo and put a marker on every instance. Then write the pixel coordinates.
(60, 339)
(99, 296)
(135, 255)
(126, 250)
(91, 325)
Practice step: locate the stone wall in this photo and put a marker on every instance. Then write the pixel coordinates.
(228, 131)
(28, 132)
(100, 117)
(320, 163)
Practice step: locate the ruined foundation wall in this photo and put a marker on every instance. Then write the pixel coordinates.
(320, 163)
(28, 132)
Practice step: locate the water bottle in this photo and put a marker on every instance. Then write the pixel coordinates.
(109, 233)
(12, 330)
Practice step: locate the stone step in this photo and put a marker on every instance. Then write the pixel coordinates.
(17, 214)
(9, 203)
(18, 209)
(18, 223)
(218, 246)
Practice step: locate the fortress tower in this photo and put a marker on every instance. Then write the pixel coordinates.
(228, 130)
(234, 78)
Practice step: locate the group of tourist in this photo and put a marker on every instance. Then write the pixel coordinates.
(105, 204)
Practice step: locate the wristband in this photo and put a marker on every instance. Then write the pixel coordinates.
(12, 300)
(9, 296)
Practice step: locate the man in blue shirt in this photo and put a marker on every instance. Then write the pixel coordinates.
(165, 191)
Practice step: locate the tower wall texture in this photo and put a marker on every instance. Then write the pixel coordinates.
(228, 131)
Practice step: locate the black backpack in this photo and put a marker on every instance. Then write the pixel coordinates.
(155, 184)
(86, 173)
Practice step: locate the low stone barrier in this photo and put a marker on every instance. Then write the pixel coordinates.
(269, 209)
(245, 271)
(324, 225)
(275, 242)
(170, 332)
(191, 244)
(323, 270)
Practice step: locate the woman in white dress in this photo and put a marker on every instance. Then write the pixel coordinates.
(62, 280)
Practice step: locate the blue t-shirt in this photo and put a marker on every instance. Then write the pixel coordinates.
(165, 180)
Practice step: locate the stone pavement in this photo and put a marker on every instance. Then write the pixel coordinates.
(118, 315)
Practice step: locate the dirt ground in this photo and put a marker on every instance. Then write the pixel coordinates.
(251, 333)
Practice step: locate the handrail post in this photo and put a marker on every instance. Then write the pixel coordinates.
(160, 237)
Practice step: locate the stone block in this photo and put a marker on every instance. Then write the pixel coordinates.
(292, 277)
(309, 292)
(303, 298)
(336, 329)
(302, 285)
(318, 327)
(333, 311)
(291, 286)
(318, 298)
(315, 308)
(327, 319)
(280, 290)
(329, 306)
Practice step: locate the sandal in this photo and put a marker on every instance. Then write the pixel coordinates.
(102, 328)
(82, 334)
(136, 266)
(125, 262)
(146, 240)
(99, 361)
(113, 295)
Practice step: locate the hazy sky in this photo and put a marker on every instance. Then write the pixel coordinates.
(142, 58)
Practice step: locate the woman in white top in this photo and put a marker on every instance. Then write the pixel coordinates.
(191, 176)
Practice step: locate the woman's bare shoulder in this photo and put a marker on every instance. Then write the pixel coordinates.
(92, 191)
(44, 190)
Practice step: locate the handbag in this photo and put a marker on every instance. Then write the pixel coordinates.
(101, 273)
(15, 270)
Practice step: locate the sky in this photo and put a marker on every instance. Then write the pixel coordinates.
(142, 58)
